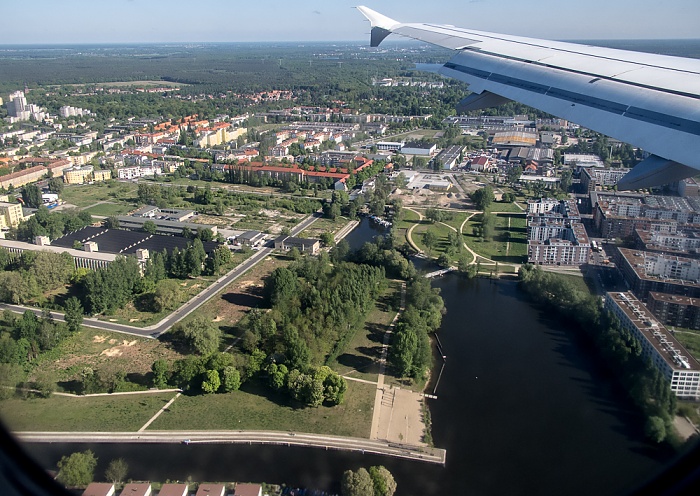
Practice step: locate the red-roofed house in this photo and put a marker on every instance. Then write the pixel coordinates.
(248, 490)
(136, 489)
(99, 489)
(211, 490)
(173, 490)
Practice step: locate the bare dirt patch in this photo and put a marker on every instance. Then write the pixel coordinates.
(239, 297)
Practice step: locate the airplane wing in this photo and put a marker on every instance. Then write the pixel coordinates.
(651, 101)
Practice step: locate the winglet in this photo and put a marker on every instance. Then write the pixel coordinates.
(381, 25)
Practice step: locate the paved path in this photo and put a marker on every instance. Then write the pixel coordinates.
(368, 446)
(409, 233)
(165, 407)
(398, 413)
(155, 330)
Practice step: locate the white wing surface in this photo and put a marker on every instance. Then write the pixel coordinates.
(651, 101)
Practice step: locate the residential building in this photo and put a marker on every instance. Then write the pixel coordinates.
(99, 489)
(171, 489)
(247, 490)
(78, 175)
(658, 344)
(555, 233)
(684, 241)
(10, 215)
(26, 176)
(136, 489)
(679, 311)
(211, 490)
(645, 271)
(593, 178)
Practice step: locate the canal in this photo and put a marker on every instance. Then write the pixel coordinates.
(523, 408)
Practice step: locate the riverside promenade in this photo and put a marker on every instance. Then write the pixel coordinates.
(369, 446)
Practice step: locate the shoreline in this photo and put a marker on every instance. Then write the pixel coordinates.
(279, 438)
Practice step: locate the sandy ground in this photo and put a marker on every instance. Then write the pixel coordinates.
(400, 416)
(685, 429)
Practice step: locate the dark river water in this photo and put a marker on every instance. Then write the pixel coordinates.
(523, 409)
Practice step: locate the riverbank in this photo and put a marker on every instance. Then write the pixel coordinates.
(278, 438)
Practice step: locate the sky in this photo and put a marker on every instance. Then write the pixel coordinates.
(158, 21)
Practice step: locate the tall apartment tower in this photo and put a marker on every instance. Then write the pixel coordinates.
(16, 104)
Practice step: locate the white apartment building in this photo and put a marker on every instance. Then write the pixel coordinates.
(658, 344)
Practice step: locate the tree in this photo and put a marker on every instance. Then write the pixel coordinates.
(212, 382)
(117, 470)
(513, 174)
(655, 429)
(327, 238)
(232, 379)
(161, 370)
(167, 295)
(56, 185)
(384, 483)
(483, 197)
(31, 195)
(150, 227)
(200, 335)
(78, 469)
(429, 240)
(112, 222)
(74, 314)
(400, 180)
(356, 483)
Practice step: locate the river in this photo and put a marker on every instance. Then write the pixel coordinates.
(523, 408)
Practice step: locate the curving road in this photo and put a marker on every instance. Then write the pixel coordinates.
(155, 330)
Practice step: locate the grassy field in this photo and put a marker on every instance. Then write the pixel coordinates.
(107, 209)
(506, 207)
(103, 413)
(89, 194)
(361, 357)
(578, 282)
(256, 407)
(324, 225)
(508, 245)
(102, 351)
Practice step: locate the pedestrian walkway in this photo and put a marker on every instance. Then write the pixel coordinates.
(152, 419)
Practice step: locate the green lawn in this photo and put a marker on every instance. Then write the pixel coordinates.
(107, 209)
(324, 225)
(85, 195)
(506, 207)
(256, 407)
(104, 413)
(578, 282)
(508, 245)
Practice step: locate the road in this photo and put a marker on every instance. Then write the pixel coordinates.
(369, 446)
(155, 330)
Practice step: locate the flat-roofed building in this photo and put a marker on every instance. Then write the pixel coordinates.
(593, 178)
(645, 271)
(680, 311)
(10, 214)
(417, 148)
(78, 175)
(555, 234)
(658, 344)
(304, 245)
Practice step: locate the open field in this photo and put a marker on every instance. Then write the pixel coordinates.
(103, 413)
(227, 307)
(106, 209)
(257, 407)
(324, 225)
(509, 245)
(690, 341)
(85, 195)
(105, 352)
